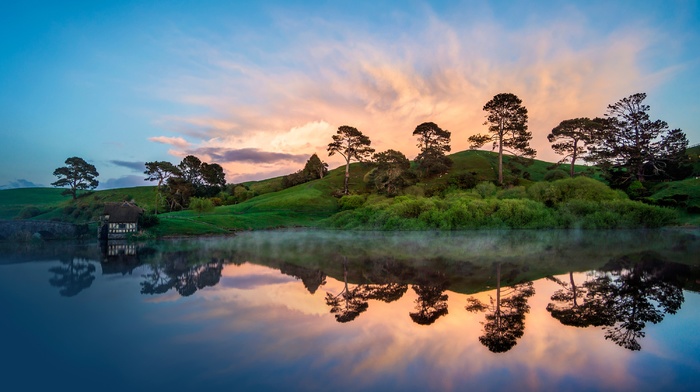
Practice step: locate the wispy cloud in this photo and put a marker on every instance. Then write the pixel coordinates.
(135, 166)
(173, 141)
(249, 155)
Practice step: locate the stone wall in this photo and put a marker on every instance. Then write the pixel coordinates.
(28, 229)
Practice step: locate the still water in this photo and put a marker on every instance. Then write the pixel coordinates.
(331, 311)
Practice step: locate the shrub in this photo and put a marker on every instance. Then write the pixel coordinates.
(201, 205)
(517, 192)
(148, 220)
(351, 202)
(485, 189)
(553, 175)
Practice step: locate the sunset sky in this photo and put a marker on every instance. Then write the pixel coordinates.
(260, 86)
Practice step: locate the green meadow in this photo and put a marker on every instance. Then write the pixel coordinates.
(463, 198)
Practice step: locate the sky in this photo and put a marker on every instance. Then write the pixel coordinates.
(259, 87)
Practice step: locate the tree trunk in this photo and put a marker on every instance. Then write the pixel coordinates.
(500, 162)
(347, 177)
(573, 159)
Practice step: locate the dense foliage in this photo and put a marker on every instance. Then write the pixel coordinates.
(76, 175)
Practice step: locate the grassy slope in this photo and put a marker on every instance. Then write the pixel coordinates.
(302, 205)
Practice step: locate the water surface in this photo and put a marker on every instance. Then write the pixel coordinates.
(312, 310)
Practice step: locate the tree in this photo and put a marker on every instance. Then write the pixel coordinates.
(77, 175)
(73, 276)
(390, 176)
(431, 303)
(213, 179)
(634, 147)
(505, 320)
(191, 170)
(507, 121)
(160, 171)
(351, 144)
(352, 303)
(433, 142)
(572, 137)
(315, 168)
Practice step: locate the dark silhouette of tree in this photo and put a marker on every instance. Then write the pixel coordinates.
(634, 147)
(160, 171)
(351, 144)
(507, 121)
(311, 278)
(179, 192)
(157, 281)
(73, 276)
(314, 169)
(572, 138)
(431, 303)
(433, 142)
(191, 170)
(505, 317)
(186, 279)
(77, 175)
(213, 179)
(386, 292)
(349, 303)
(635, 290)
(570, 308)
(392, 172)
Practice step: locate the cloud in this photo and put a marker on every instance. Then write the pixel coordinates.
(123, 182)
(249, 155)
(291, 100)
(135, 166)
(173, 141)
(21, 183)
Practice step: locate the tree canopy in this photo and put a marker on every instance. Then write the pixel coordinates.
(351, 144)
(433, 142)
(572, 138)
(633, 147)
(507, 121)
(77, 175)
(392, 172)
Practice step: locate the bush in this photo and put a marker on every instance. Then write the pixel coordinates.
(517, 192)
(351, 202)
(201, 205)
(553, 175)
(583, 188)
(485, 189)
(148, 220)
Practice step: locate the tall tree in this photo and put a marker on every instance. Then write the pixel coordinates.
(351, 144)
(507, 121)
(634, 147)
(433, 142)
(77, 175)
(191, 170)
(572, 138)
(315, 168)
(160, 171)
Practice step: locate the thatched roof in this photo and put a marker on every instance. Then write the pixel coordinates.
(124, 212)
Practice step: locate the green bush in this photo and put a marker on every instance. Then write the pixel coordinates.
(485, 189)
(553, 175)
(351, 202)
(583, 188)
(516, 192)
(200, 205)
(29, 212)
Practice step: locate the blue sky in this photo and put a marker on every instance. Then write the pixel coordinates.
(260, 86)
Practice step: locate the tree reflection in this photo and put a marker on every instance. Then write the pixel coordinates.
(431, 303)
(570, 307)
(311, 278)
(185, 279)
(73, 276)
(505, 318)
(632, 291)
(351, 302)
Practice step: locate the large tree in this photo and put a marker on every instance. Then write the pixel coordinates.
(572, 138)
(77, 175)
(507, 121)
(634, 147)
(351, 144)
(433, 142)
(160, 171)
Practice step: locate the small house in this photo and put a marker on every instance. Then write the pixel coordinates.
(119, 220)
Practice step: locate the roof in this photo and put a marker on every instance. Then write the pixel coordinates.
(124, 212)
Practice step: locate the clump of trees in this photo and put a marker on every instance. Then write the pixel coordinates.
(190, 178)
(314, 169)
(76, 175)
(573, 138)
(433, 142)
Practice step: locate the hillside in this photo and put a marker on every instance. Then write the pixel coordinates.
(307, 204)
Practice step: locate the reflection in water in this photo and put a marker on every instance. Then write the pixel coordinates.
(431, 303)
(176, 272)
(570, 308)
(72, 276)
(311, 278)
(634, 290)
(505, 320)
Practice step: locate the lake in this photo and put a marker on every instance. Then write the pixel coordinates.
(336, 311)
